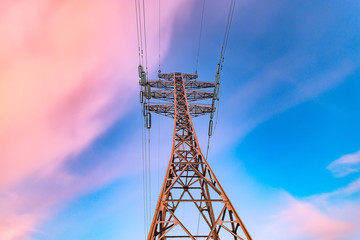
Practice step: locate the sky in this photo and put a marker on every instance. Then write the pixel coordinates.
(286, 148)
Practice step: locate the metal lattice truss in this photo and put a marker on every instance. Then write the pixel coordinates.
(192, 203)
(189, 84)
(168, 96)
(168, 110)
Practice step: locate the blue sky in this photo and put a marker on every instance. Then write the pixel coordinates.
(289, 108)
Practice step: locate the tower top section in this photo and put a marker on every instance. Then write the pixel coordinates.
(163, 91)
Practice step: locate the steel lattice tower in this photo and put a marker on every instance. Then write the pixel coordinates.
(190, 193)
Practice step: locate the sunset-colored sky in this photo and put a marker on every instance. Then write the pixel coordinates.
(287, 143)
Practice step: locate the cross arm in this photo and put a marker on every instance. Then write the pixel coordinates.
(167, 109)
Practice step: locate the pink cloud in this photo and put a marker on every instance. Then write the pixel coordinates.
(30, 203)
(63, 64)
(302, 220)
(54, 52)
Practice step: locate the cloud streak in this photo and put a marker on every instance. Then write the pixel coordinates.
(295, 73)
(68, 70)
(345, 165)
(301, 220)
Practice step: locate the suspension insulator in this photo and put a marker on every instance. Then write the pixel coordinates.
(216, 91)
(210, 128)
(143, 79)
(217, 74)
(143, 109)
(147, 91)
(148, 121)
(217, 78)
(141, 96)
(140, 70)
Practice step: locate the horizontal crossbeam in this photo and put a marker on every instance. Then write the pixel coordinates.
(187, 236)
(167, 109)
(169, 85)
(194, 200)
(168, 95)
(170, 76)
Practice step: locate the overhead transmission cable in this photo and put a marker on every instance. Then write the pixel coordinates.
(196, 71)
(146, 58)
(140, 51)
(148, 129)
(199, 43)
(227, 31)
(143, 172)
(142, 47)
(159, 71)
(148, 174)
(143, 140)
(217, 91)
(137, 32)
(139, 27)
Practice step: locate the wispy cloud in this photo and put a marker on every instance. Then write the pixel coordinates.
(345, 165)
(301, 220)
(64, 64)
(274, 90)
(325, 216)
(352, 188)
(291, 76)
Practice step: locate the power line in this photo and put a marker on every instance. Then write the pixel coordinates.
(141, 38)
(149, 175)
(143, 172)
(146, 58)
(227, 32)
(137, 32)
(158, 160)
(146, 182)
(217, 90)
(139, 26)
(201, 27)
(139, 42)
(159, 35)
(223, 49)
(196, 69)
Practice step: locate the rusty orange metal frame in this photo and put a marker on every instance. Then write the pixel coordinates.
(188, 172)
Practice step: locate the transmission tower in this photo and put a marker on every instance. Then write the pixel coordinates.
(192, 204)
